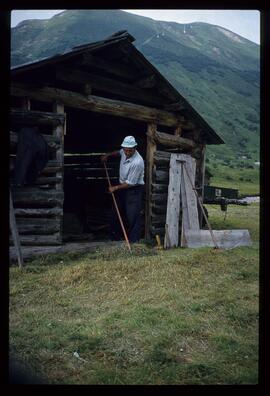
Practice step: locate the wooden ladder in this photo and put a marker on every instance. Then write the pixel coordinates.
(14, 231)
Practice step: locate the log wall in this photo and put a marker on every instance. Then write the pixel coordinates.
(39, 208)
(35, 205)
(159, 148)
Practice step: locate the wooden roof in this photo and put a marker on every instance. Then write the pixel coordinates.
(137, 77)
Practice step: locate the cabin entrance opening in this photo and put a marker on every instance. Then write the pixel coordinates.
(87, 204)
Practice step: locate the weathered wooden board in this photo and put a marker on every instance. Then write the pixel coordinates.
(224, 238)
(188, 193)
(190, 218)
(173, 204)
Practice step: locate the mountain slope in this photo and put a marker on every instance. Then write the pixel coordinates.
(216, 70)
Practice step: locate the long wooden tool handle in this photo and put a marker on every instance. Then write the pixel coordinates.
(117, 210)
(201, 206)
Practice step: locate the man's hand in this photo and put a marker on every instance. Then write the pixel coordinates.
(104, 158)
(113, 189)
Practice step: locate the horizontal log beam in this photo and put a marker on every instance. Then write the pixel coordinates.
(39, 240)
(38, 226)
(161, 198)
(52, 141)
(51, 168)
(162, 158)
(158, 209)
(26, 117)
(53, 212)
(29, 196)
(174, 141)
(158, 219)
(107, 85)
(161, 176)
(159, 188)
(98, 104)
(48, 180)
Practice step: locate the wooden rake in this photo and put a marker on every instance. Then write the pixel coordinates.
(117, 210)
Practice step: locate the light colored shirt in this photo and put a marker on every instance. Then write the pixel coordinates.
(131, 169)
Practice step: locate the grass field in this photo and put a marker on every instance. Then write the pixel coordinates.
(245, 180)
(179, 316)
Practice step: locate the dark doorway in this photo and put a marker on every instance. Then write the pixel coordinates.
(87, 203)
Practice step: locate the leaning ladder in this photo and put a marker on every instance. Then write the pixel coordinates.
(14, 231)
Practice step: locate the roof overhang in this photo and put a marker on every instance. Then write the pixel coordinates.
(211, 137)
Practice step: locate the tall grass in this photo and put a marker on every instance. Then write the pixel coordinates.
(179, 316)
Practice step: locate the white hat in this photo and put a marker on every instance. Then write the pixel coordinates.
(129, 142)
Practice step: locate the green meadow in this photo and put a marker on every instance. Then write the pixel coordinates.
(180, 316)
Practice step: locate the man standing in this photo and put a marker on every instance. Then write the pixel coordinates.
(129, 190)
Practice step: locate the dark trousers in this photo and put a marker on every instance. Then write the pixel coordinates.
(129, 202)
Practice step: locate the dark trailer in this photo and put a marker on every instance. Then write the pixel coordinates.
(85, 102)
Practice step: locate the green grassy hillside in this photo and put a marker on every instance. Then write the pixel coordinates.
(217, 71)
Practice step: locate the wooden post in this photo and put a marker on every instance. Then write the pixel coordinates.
(14, 231)
(151, 148)
(199, 154)
(202, 181)
(59, 132)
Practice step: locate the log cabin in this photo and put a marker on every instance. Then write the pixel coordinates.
(85, 101)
